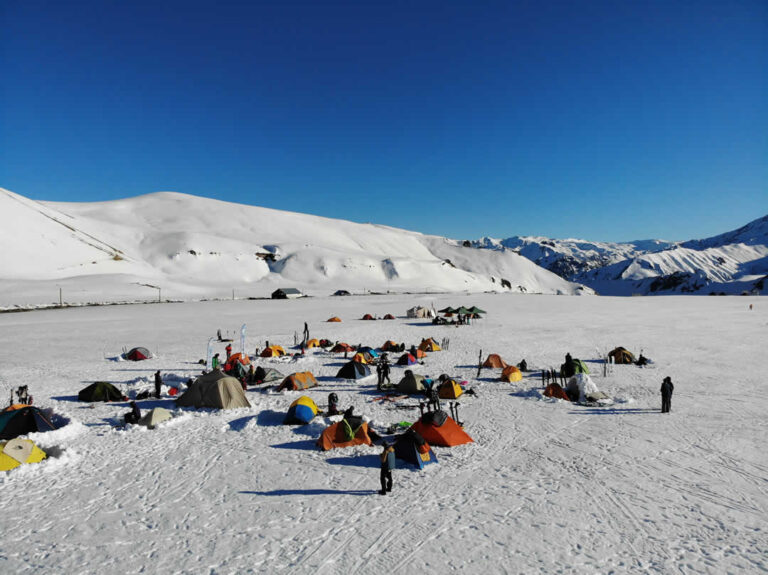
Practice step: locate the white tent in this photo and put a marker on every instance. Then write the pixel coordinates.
(421, 312)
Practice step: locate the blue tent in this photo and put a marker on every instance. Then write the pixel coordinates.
(412, 447)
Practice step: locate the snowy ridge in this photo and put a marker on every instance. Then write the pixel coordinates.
(732, 263)
(193, 247)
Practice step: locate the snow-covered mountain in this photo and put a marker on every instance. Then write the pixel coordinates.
(186, 247)
(733, 262)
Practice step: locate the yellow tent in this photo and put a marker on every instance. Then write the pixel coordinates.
(19, 451)
(510, 374)
(313, 343)
(429, 345)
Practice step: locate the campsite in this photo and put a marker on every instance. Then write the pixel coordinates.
(545, 485)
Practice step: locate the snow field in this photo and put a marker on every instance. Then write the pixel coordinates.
(547, 487)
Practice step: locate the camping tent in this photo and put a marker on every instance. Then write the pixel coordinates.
(621, 355)
(573, 367)
(23, 420)
(313, 343)
(298, 380)
(137, 354)
(342, 347)
(406, 359)
(554, 390)
(333, 319)
(265, 375)
(449, 389)
(438, 428)
(511, 373)
(302, 410)
(273, 351)
(368, 317)
(411, 383)
(153, 418)
(476, 311)
(240, 358)
(354, 370)
(214, 389)
(101, 391)
(389, 316)
(411, 447)
(429, 345)
(18, 452)
(345, 433)
(360, 357)
(448, 311)
(494, 360)
(390, 345)
(420, 312)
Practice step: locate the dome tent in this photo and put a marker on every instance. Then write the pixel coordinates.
(137, 354)
(214, 389)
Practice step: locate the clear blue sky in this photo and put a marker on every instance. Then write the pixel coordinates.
(612, 120)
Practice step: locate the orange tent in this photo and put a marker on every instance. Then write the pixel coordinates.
(342, 347)
(359, 357)
(448, 434)
(494, 360)
(428, 345)
(419, 354)
(342, 435)
(273, 351)
(554, 390)
(334, 318)
(299, 380)
(313, 343)
(389, 346)
(240, 357)
(511, 373)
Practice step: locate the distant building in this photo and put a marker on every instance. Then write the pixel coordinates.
(286, 293)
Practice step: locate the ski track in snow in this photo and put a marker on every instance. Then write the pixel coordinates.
(547, 486)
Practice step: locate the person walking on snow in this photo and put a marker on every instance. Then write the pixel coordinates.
(666, 394)
(158, 383)
(384, 363)
(387, 465)
(228, 349)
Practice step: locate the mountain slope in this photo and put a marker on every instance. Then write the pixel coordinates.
(732, 262)
(199, 246)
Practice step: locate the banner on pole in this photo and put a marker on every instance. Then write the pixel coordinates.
(242, 340)
(209, 354)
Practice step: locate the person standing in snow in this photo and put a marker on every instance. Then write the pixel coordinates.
(228, 349)
(384, 363)
(306, 333)
(158, 383)
(387, 465)
(378, 376)
(215, 361)
(666, 394)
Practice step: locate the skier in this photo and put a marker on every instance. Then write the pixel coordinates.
(387, 465)
(158, 383)
(666, 394)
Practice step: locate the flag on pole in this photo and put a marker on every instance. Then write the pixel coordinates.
(242, 340)
(209, 354)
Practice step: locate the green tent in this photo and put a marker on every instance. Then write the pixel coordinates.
(448, 309)
(475, 309)
(101, 391)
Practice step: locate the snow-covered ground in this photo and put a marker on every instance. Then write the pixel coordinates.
(547, 487)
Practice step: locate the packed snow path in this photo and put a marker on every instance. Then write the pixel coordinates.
(547, 486)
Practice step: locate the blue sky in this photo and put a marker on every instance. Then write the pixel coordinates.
(600, 120)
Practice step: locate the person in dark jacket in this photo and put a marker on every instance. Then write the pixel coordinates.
(134, 415)
(384, 363)
(158, 383)
(666, 394)
(387, 465)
